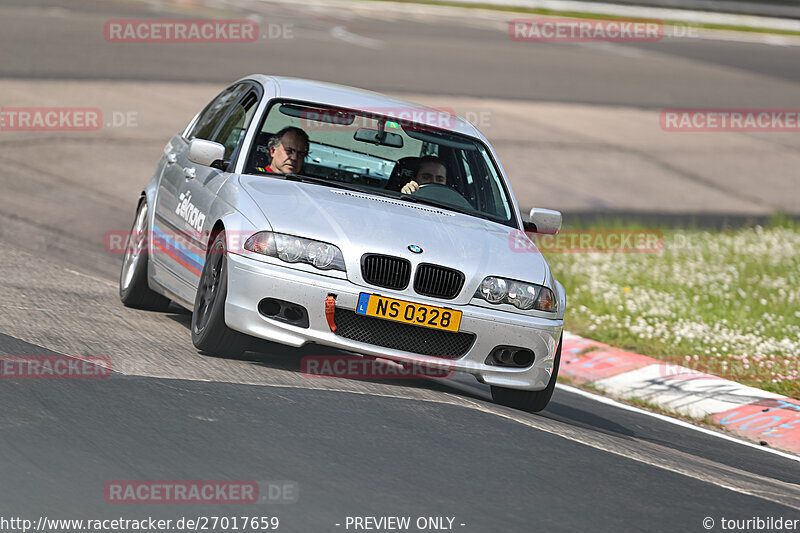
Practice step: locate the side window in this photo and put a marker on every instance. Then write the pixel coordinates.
(429, 148)
(233, 129)
(215, 111)
(465, 166)
(497, 201)
(469, 185)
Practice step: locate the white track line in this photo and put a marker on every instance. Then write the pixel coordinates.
(341, 33)
(675, 421)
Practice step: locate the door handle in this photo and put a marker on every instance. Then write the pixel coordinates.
(171, 158)
(189, 172)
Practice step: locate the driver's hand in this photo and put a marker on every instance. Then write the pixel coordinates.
(409, 187)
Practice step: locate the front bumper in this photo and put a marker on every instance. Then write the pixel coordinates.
(249, 281)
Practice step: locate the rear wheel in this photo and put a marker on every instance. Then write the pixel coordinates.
(133, 288)
(210, 334)
(526, 400)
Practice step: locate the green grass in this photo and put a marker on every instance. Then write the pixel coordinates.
(727, 303)
(596, 16)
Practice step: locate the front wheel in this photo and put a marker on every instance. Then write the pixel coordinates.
(210, 334)
(527, 400)
(133, 288)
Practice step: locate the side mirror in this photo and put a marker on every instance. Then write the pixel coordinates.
(205, 152)
(543, 221)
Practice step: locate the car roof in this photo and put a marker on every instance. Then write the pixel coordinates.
(353, 98)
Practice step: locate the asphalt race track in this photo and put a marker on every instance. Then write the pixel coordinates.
(436, 448)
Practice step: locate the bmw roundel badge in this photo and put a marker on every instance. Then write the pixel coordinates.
(413, 248)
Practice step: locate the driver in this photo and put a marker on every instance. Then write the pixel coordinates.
(287, 150)
(429, 170)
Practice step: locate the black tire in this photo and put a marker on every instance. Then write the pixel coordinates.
(526, 400)
(210, 334)
(133, 288)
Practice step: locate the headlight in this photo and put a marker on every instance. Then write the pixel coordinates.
(293, 249)
(321, 254)
(494, 290)
(521, 295)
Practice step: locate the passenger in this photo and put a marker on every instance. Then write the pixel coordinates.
(430, 169)
(287, 151)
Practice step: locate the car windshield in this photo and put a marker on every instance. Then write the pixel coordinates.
(382, 152)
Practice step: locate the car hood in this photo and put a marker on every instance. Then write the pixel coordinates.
(361, 223)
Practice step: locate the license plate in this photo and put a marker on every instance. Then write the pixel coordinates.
(408, 312)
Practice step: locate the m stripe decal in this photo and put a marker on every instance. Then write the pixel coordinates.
(177, 251)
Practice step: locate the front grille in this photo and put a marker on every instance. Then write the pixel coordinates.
(438, 281)
(386, 271)
(404, 337)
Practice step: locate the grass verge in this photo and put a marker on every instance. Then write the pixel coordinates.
(726, 303)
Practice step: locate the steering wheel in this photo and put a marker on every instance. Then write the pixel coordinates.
(443, 193)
